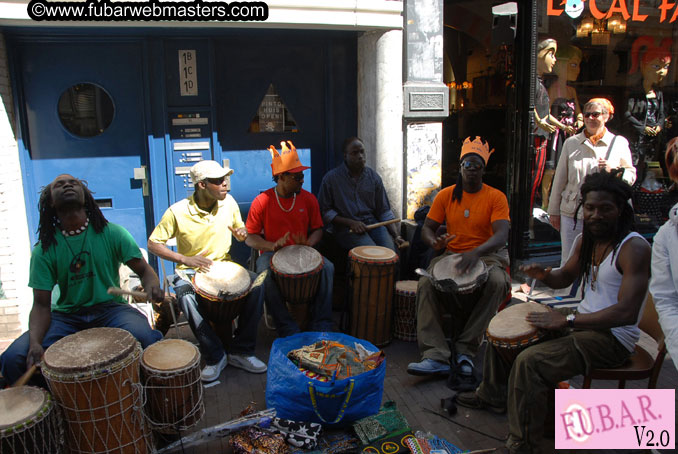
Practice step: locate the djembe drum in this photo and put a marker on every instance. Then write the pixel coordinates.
(221, 291)
(448, 278)
(372, 272)
(510, 333)
(296, 269)
(94, 378)
(28, 422)
(405, 311)
(170, 371)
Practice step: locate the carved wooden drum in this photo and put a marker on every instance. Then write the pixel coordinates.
(405, 311)
(29, 422)
(170, 371)
(448, 278)
(94, 378)
(510, 333)
(372, 273)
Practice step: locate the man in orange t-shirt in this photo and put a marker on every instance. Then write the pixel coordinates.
(477, 219)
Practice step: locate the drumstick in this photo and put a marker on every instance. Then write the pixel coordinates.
(25, 377)
(379, 224)
(120, 292)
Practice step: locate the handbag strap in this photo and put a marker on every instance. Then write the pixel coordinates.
(342, 410)
(609, 149)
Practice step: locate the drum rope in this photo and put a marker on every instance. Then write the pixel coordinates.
(194, 414)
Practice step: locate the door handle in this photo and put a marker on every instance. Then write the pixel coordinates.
(141, 174)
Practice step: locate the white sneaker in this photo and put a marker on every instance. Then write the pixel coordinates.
(212, 372)
(248, 363)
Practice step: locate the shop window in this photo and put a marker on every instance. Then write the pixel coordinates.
(273, 115)
(86, 110)
(627, 55)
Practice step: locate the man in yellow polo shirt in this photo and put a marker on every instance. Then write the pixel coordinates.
(203, 225)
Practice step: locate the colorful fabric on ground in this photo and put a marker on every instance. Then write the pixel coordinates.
(299, 434)
(334, 443)
(255, 441)
(334, 360)
(387, 422)
(392, 444)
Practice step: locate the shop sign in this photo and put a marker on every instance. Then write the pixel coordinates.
(629, 9)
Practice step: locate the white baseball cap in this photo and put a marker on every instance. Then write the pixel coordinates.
(208, 169)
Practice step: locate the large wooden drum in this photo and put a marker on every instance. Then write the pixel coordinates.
(170, 371)
(372, 272)
(510, 333)
(94, 378)
(221, 291)
(28, 422)
(405, 311)
(296, 269)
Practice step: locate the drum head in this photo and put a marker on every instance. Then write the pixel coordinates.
(296, 259)
(373, 253)
(20, 404)
(89, 350)
(407, 286)
(510, 323)
(170, 354)
(224, 280)
(446, 269)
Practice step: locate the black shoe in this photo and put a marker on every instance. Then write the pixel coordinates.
(471, 400)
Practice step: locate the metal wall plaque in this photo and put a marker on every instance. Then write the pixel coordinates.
(188, 72)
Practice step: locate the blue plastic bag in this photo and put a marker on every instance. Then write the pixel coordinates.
(300, 398)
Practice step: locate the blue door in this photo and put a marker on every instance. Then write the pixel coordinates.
(57, 81)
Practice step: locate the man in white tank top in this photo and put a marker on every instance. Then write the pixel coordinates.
(613, 262)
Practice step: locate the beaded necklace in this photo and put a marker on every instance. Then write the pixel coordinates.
(294, 200)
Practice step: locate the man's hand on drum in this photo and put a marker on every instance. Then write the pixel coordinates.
(34, 356)
(358, 227)
(282, 241)
(551, 320)
(536, 271)
(197, 262)
(156, 294)
(301, 239)
(467, 261)
(239, 234)
(442, 240)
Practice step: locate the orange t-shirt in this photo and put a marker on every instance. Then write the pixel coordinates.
(471, 219)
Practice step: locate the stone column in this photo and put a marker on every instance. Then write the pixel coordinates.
(380, 108)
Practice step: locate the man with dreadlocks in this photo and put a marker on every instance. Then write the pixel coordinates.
(477, 218)
(81, 251)
(613, 262)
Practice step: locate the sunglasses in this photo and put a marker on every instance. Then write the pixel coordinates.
(468, 165)
(298, 176)
(592, 114)
(216, 181)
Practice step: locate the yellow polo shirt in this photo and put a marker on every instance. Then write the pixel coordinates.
(198, 231)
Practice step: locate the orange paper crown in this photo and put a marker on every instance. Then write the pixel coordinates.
(477, 146)
(287, 160)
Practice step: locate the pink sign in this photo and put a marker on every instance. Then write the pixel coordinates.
(615, 418)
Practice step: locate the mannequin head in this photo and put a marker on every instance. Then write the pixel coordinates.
(652, 60)
(546, 55)
(570, 58)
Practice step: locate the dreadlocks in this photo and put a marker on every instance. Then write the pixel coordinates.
(458, 190)
(48, 217)
(611, 183)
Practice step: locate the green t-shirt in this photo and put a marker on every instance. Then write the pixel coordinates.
(100, 258)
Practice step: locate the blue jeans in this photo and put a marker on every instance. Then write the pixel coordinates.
(109, 314)
(211, 346)
(375, 237)
(321, 309)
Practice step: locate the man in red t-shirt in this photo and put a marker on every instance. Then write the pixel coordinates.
(284, 215)
(477, 219)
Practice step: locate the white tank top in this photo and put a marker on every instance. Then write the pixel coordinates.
(606, 294)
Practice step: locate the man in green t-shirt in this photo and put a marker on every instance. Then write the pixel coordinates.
(81, 251)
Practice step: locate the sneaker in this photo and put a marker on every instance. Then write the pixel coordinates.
(248, 363)
(212, 371)
(428, 367)
(471, 400)
(465, 364)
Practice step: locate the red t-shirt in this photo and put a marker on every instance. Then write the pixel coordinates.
(267, 219)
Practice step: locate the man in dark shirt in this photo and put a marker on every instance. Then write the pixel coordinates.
(351, 197)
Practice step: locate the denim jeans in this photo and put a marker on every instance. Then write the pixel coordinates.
(109, 314)
(375, 237)
(211, 346)
(321, 309)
